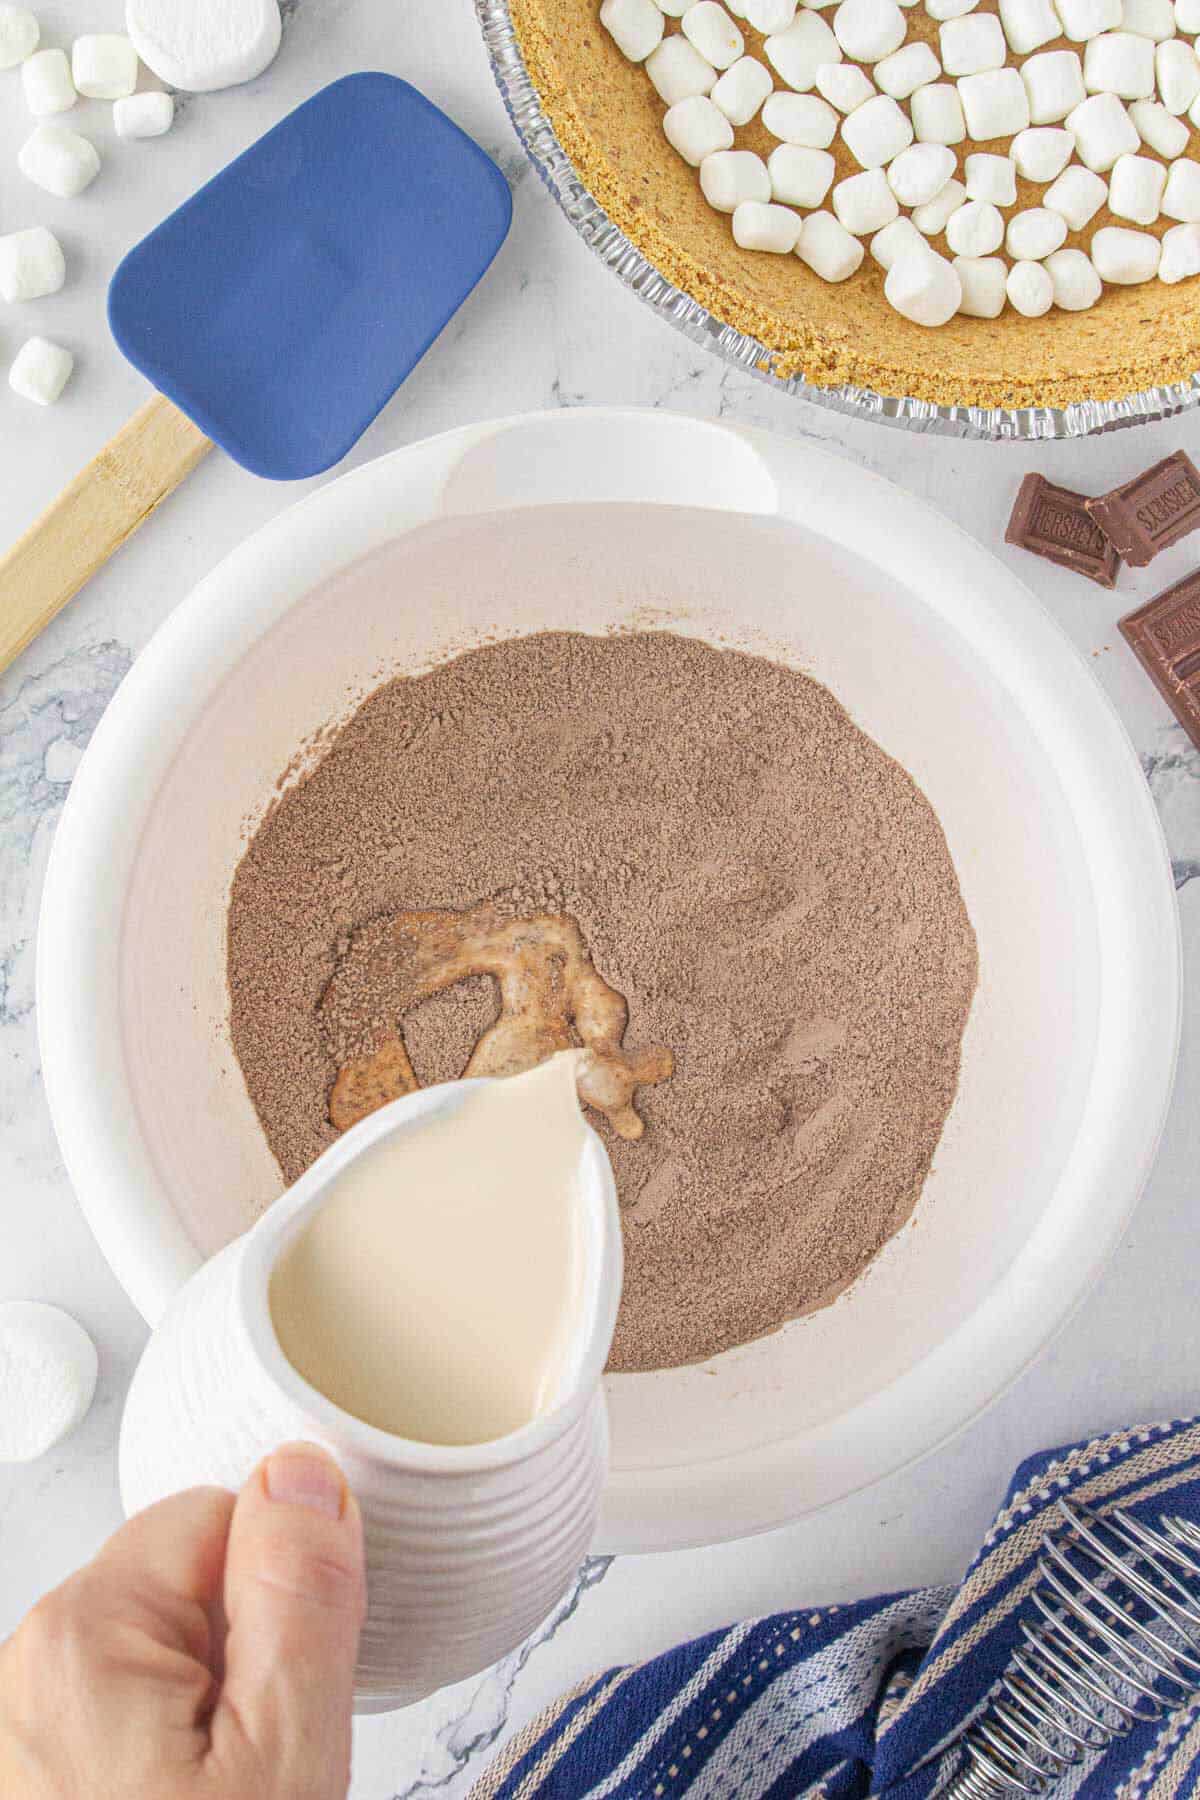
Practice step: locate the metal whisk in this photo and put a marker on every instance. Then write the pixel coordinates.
(1116, 1644)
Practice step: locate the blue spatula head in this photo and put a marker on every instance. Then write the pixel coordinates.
(282, 305)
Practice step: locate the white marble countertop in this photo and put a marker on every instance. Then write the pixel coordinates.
(548, 327)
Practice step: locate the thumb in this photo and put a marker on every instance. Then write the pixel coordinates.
(295, 1596)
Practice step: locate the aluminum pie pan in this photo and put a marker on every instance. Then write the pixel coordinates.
(1021, 424)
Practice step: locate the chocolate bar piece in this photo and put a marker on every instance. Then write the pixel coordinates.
(1164, 635)
(1157, 509)
(1054, 522)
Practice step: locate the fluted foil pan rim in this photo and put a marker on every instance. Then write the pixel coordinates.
(1022, 424)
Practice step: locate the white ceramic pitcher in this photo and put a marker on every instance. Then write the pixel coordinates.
(468, 1547)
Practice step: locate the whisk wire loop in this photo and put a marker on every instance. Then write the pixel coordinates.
(1095, 1673)
(1029, 1708)
(1181, 1532)
(1151, 1647)
(1158, 1598)
(1135, 1644)
(1080, 1725)
(1010, 1753)
(1173, 1594)
(1092, 1665)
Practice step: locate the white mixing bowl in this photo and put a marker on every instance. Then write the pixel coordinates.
(590, 520)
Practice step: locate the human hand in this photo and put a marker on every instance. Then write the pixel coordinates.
(207, 1651)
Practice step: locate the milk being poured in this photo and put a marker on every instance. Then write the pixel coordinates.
(437, 1292)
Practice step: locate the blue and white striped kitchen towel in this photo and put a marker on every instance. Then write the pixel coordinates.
(865, 1698)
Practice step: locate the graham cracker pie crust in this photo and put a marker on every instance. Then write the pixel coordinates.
(608, 119)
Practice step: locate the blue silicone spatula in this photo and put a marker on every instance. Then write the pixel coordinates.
(276, 312)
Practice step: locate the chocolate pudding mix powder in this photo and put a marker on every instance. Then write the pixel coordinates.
(770, 892)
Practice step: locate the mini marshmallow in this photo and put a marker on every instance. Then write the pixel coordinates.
(769, 16)
(31, 265)
(1187, 16)
(900, 235)
(742, 89)
(1077, 195)
(1178, 75)
(876, 132)
(994, 104)
(58, 160)
(677, 71)
(982, 281)
(728, 177)
(1135, 189)
(828, 248)
(757, 226)
(907, 69)
(635, 26)
(147, 115)
(1042, 152)
(919, 173)
(696, 128)
(797, 53)
(1103, 131)
(1075, 281)
(1149, 18)
(937, 114)
(800, 176)
(1034, 234)
(972, 44)
(46, 83)
(865, 203)
(843, 85)
(991, 178)
(48, 1369)
(19, 34)
(1085, 19)
(1030, 290)
(923, 287)
(1159, 129)
(675, 9)
(1028, 24)
(1181, 198)
(801, 119)
(1180, 253)
(1119, 63)
(40, 372)
(941, 10)
(975, 229)
(1125, 257)
(709, 27)
(931, 218)
(1054, 84)
(869, 30)
(104, 66)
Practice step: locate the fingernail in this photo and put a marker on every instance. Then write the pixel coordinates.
(304, 1476)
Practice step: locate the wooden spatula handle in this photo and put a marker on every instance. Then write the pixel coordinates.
(103, 506)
